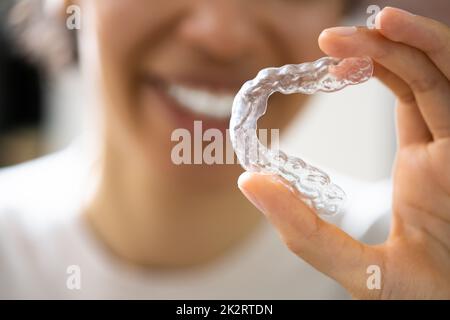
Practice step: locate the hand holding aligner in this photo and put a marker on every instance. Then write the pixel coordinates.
(326, 74)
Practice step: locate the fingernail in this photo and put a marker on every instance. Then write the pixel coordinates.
(342, 31)
(378, 20)
(248, 194)
(400, 11)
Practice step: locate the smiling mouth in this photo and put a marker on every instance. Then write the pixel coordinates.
(203, 102)
(199, 100)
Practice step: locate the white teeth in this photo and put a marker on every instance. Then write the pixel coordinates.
(202, 102)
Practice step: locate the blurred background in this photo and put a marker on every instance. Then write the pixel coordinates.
(39, 114)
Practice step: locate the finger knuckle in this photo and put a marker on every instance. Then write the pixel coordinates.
(314, 231)
(423, 85)
(381, 53)
(407, 97)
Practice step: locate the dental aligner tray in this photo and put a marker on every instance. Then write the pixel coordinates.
(327, 74)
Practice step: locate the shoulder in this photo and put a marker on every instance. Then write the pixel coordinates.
(42, 187)
(38, 200)
(37, 197)
(32, 195)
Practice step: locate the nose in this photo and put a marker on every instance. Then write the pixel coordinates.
(218, 28)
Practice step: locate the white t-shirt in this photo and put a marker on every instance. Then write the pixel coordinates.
(44, 244)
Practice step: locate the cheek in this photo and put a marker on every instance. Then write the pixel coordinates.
(121, 28)
(107, 39)
(298, 30)
(126, 28)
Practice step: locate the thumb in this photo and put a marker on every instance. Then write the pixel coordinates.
(323, 245)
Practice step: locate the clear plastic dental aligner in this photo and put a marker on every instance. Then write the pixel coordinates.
(327, 74)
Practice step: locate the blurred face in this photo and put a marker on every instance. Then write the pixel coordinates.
(163, 64)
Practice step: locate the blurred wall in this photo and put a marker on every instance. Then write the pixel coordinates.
(21, 101)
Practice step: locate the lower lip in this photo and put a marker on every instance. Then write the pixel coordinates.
(183, 118)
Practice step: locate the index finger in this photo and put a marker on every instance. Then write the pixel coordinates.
(425, 34)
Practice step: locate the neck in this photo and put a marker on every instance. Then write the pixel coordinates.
(146, 220)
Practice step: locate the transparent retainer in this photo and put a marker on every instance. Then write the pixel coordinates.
(327, 74)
